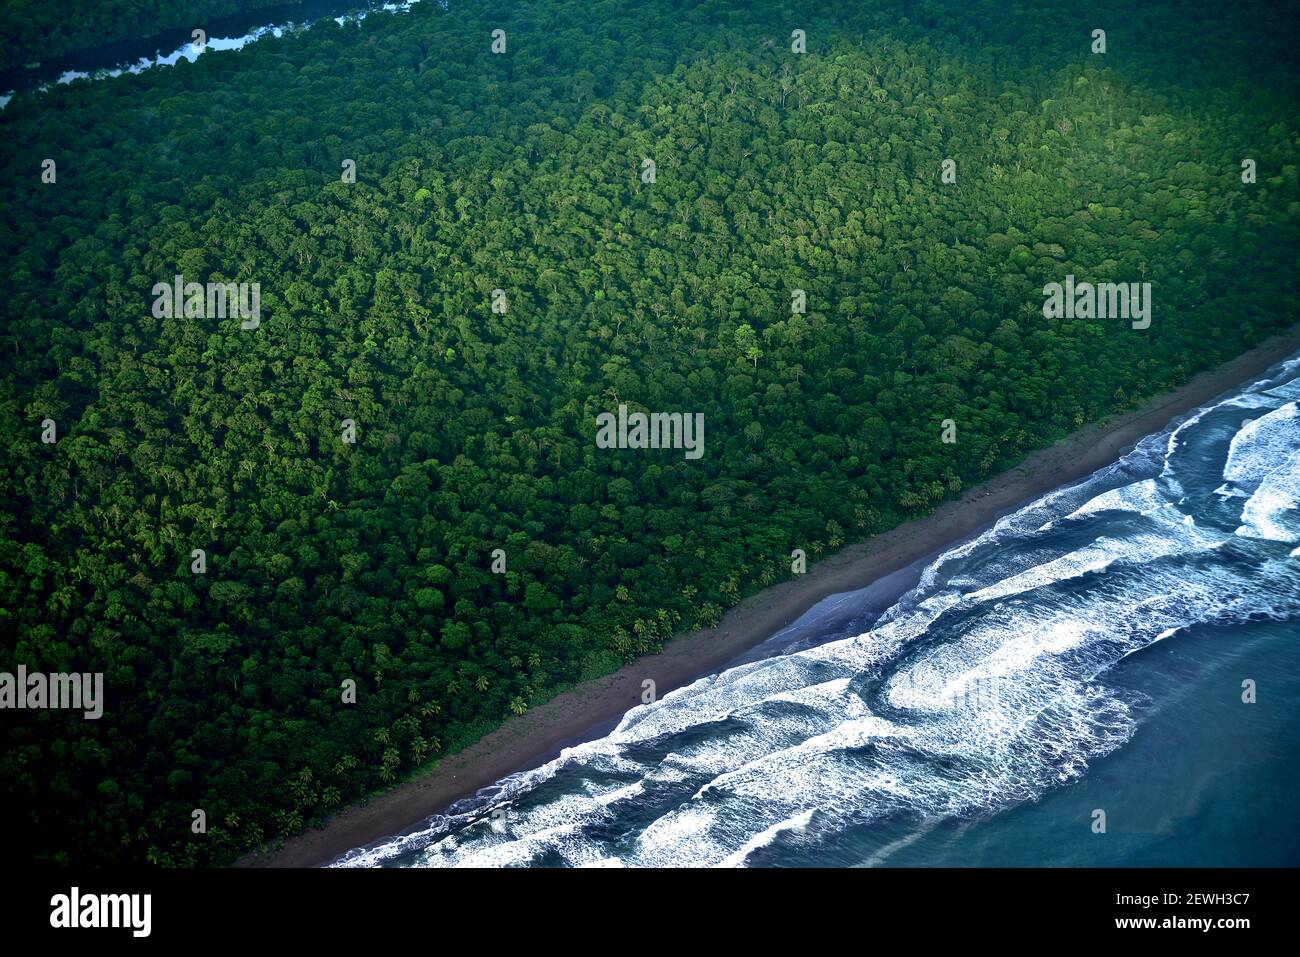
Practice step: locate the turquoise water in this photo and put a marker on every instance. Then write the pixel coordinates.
(1086, 654)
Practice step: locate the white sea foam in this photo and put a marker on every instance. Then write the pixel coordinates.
(1141, 497)
(1273, 511)
(764, 838)
(1287, 390)
(1260, 444)
(1095, 558)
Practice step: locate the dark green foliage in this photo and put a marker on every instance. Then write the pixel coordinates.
(476, 430)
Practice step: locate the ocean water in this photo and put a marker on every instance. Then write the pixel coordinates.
(1126, 650)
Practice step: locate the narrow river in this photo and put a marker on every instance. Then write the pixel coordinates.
(171, 46)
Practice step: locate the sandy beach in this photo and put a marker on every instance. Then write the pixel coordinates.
(524, 740)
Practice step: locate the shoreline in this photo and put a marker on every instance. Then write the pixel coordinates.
(526, 740)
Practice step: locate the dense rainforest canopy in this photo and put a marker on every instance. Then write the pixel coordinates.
(524, 172)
